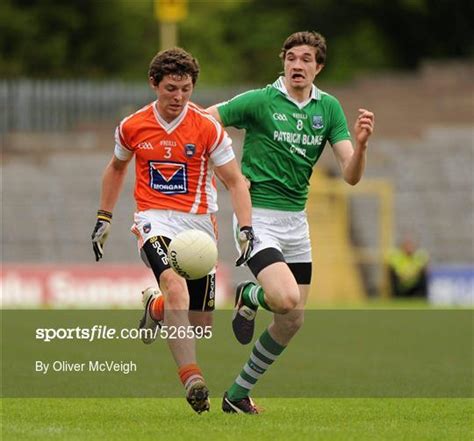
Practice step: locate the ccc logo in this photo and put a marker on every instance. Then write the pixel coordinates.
(280, 117)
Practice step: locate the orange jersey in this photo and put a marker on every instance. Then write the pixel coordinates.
(174, 161)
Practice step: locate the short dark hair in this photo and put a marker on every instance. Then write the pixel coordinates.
(309, 38)
(175, 61)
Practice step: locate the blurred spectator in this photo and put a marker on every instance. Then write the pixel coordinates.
(407, 266)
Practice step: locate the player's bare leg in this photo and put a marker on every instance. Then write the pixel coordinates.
(183, 349)
(285, 326)
(280, 293)
(154, 303)
(200, 318)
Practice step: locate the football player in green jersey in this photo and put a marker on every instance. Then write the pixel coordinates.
(287, 126)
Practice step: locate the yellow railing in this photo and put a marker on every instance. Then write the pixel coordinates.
(337, 262)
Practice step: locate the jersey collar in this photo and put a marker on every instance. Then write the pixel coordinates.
(279, 84)
(168, 127)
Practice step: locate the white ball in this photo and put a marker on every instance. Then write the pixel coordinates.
(192, 254)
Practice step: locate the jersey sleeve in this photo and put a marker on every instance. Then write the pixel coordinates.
(339, 130)
(223, 153)
(219, 143)
(241, 109)
(122, 150)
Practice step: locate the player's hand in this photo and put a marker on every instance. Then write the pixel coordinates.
(246, 240)
(100, 233)
(364, 127)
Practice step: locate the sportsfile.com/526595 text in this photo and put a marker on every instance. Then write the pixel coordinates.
(104, 332)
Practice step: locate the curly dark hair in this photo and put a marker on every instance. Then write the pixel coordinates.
(309, 38)
(175, 61)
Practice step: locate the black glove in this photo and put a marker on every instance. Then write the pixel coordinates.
(100, 233)
(246, 240)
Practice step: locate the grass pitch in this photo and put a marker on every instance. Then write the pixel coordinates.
(283, 419)
(288, 419)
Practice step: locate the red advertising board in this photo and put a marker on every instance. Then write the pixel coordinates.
(82, 286)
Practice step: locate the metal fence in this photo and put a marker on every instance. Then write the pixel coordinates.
(61, 105)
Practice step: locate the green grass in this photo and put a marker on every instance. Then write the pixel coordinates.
(283, 419)
(337, 354)
(345, 356)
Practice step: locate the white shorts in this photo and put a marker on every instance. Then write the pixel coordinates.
(169, 223)
(287, 231)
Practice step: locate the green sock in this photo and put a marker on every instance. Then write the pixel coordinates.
(263, 354)
(254, 296)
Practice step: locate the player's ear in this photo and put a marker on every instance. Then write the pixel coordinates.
(152, 82)
(319, 68)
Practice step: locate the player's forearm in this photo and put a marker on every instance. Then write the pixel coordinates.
(112, 183)
(241, 203)
(354, 169)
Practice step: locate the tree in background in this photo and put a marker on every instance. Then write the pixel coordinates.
(235, 40)
(75, 38)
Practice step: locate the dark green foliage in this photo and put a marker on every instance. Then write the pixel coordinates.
(236, 41)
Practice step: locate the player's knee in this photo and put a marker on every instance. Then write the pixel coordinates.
(286, 303)
(176, 292)
(177, 303)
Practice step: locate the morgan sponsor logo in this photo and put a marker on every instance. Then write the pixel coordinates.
(168, 177)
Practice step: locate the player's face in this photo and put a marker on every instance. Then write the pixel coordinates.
(173, 93)
(301, 67)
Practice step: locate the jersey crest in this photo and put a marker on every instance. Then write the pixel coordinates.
(189, 149)
(317, 122)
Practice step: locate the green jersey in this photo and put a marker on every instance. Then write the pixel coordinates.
(283, 141)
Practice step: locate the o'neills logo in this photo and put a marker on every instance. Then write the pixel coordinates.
(176, 266)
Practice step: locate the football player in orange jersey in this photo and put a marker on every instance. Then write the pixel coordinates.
(177, 146)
